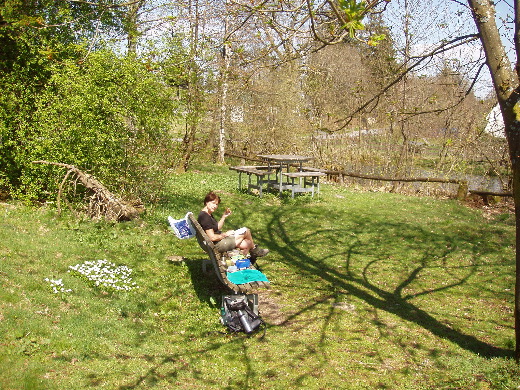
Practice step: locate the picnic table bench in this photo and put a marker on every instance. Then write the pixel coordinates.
(313, 169)
(311, 181)
(254, 170)
(218, 260)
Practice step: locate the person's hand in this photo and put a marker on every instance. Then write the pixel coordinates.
(227, 213)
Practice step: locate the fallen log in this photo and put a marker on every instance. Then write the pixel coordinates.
(102, 203)
(491, 193)
(461, 192)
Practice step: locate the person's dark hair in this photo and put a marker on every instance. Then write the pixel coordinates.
(210, 197)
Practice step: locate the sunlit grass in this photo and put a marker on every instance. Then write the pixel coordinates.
(370, 291)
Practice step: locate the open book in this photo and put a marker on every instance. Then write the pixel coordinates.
(242, 230)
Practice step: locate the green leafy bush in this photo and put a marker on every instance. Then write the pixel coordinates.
(109, 116)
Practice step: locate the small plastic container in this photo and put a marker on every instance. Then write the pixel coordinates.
(232, 268)
(243, 263)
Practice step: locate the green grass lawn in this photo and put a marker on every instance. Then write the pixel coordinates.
(369, 291)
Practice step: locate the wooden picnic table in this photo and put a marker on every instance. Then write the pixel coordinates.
(284, 160)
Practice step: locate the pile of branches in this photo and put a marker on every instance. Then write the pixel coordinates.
(101, 202)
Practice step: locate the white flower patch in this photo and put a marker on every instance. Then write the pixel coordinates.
(104, 274)
(57, 286)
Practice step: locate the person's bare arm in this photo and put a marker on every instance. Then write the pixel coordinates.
(217, 237)
(226, 214)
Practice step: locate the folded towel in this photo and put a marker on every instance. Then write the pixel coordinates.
(246, 276)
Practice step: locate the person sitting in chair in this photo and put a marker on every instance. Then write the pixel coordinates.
(229, 240)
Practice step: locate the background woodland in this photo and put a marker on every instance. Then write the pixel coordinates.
(131, 91)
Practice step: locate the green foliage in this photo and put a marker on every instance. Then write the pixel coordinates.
(63, 102)
(61, 21)
(354, 13)
(374, 40)
(23, 74)
(108, 115)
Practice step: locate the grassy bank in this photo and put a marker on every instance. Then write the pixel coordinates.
(370, 291)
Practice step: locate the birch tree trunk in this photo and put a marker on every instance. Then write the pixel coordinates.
(194, 89)
(131, 21)
(223, 98)
(507, 91)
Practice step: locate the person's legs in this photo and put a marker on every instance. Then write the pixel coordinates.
(245, 242)
(226, 244)
(247, 245)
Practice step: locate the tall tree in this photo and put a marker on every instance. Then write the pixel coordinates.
(224, 85)
(194, 96)
(507, 91)
(131, 23)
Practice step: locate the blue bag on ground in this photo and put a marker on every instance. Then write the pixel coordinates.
(182, 227)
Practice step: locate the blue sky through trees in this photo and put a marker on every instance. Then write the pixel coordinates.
(431, 22)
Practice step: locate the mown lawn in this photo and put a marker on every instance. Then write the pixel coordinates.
(369, 291)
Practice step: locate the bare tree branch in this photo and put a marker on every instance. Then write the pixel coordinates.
(445, 46)
(102, 203)
(107, 6)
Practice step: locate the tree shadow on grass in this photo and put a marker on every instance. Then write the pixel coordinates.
(359, 283)
(171, 369)
(356, 277)
(207, 287)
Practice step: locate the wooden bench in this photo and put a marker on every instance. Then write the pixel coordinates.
(253, 170)
(311, 181)
(312, 169)
(218, 260)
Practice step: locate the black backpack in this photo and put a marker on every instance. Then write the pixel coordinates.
(237, 315)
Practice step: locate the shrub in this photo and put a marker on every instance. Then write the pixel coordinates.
(109, 116)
